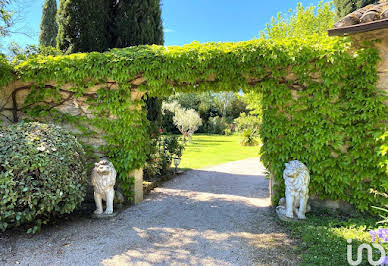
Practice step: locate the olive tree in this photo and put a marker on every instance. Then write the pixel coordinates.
(186, 120)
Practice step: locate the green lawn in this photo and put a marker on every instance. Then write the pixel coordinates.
(209, 150)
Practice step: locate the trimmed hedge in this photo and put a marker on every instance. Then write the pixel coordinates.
(42, 174)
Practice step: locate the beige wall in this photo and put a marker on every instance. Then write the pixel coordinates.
(382, 47)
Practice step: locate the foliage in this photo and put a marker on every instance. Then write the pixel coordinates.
(187, 100)
(245, 121)
(326, 125)
(227, 132)
(249, 137)
(253, 99)
(48, 25)
(137, 22)
(167, 122)
(83, 26)
(301, 23)
(249, 126)
(5, 71)
(323, 237)
(42, 174)
(186, 120)
(329, 115)
(383, 212)
(6, 20)
(173, 145)
(208, 150)
(216, 125)
(18, 54)
(217, 110)
(154, 115)
(164, 150)
(344, 7)
(86, 26)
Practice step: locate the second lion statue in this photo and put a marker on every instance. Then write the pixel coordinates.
(104, 180)
(297, 179)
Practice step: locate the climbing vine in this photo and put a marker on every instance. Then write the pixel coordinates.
(320, 103)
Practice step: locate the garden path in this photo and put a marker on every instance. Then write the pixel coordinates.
(215, 216)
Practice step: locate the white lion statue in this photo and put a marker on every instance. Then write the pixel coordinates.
(297, 180)
(103, 180)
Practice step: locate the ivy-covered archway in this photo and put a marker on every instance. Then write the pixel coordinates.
(320, 103)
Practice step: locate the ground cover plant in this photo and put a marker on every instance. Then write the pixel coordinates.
(323, 237)
(208, 150)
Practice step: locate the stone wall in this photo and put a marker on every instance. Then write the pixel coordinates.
(379, 39)
(12, 104)
(381, 43)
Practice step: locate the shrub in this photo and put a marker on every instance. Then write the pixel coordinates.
(249, 138)
(42, 174)
(245, 121)
(216, 125)
(164, 150)
(227, 132)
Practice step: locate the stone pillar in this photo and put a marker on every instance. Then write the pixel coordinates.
(137, 173)
(273, 190)
(138, 185)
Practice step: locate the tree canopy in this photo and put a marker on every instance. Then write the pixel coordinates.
(345, 7)
(137, 22)
(301, 23)
(49, 26)
(83, 26)
(5, 17)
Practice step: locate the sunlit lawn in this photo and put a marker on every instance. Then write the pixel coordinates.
(209, 150)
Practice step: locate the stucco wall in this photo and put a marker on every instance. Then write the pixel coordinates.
(381, 43)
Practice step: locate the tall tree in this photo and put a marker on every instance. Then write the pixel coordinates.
(137, 22)
(83, 25)
(98, 25)
(345, 7)
(48, 25)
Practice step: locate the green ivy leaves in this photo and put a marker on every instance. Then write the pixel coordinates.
(320, 103)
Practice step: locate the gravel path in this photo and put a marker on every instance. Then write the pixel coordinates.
(215, 216)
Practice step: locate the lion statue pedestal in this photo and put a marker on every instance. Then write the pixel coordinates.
(297, 179)
(104, 180)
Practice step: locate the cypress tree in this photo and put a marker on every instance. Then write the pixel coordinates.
(83, 25)
(137, 22)
(345, 7)
(97, 25)
(48, 25)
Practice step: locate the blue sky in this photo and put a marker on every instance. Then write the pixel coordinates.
(191, 20)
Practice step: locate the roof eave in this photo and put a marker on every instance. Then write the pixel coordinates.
(365, 27)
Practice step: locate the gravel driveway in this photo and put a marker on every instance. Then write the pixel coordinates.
(215, 216)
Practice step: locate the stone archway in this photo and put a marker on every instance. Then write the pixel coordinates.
(296, 78)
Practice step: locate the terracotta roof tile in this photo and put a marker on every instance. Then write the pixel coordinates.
(370, 13)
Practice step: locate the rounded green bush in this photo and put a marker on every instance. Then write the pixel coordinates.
(42, 174)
